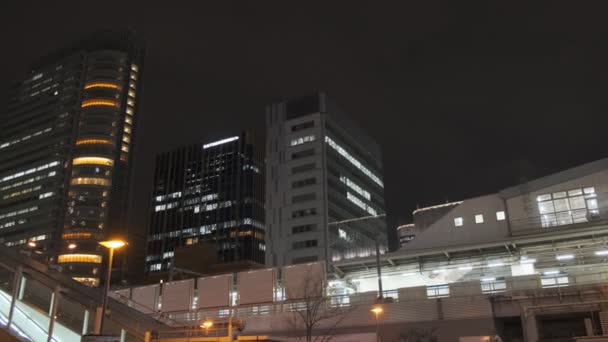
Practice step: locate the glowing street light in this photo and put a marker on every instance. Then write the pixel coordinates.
(31, 244)
(377, 310)
(111, 245)
(72, 246)
(206, 325)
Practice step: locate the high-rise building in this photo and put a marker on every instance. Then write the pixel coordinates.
(324, 187)
(66, 144)
(212, 193)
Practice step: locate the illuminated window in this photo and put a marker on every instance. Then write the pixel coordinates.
(129, 110)
(93, 161)
(75, 236)
(125, 148)
(568, 207)
(126, 138)
(93, 282)
(134, 67)
(101, 85)
(458, 222)
(93, 142)
(479, 218)
(99, 102)
(355, 187)
(131, 102)
(354, 199)
(128, 120)
(131, 84)
(302, 140)
(493, 285)
(84, 258)
(133, 76)
(438, 291)
(127, 129)
(353, 161)
(90, 181)
(132, 93)
(500, 216)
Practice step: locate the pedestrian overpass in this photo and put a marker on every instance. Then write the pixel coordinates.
(38, 303)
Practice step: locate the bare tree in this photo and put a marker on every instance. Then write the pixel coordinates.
(312, 309)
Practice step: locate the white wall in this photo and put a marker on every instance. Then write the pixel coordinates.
(444, 233)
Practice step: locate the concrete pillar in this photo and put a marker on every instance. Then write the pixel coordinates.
(97, 326)
(53, 313)
(147, 337)
(85, 322)
(123, 335)
(15, 292)
(22, 288)
(589, 327)
(530, 327)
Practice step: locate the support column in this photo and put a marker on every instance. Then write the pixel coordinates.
(147, 337)
(97, 326)
(53, 312)
(530, 327)
(15, 292)
(22, 288)
(85, 322)
(123, 335)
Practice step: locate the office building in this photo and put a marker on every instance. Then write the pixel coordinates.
(325, 193)
(211, 193)
(66, 151)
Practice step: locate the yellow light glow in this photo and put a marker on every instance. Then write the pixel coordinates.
(84, 258)
(99, 102)
(72, 246)
(101, 85)
(31, 244)
(87, 281)
(68, 236)
(207, 324)
(93, 161)
(93, 142)
(377, 310)
(113, 244)
(90, 181)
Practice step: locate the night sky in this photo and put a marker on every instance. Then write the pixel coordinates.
(465, 98)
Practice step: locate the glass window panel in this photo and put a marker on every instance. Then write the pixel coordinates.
(546, 207)
(577, 202)
(560, 194)
(548, 220)
(458, 221)
(563, 218)
(479, 218)
(592, 203)
(561, 205)
(575, 192)
(589, 190)
(543, 197)
(500, 215)
(579, 216)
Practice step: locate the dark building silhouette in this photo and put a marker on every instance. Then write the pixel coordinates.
(211, 193)
(66, 151)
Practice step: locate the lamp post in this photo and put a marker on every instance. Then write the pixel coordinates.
(206, 325)
(111, 245)
(377, 310)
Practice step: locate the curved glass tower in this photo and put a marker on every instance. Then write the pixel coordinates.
(82, 196)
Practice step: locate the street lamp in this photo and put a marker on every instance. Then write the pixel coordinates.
(206, 325)
(111, 245)
(377, 310)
